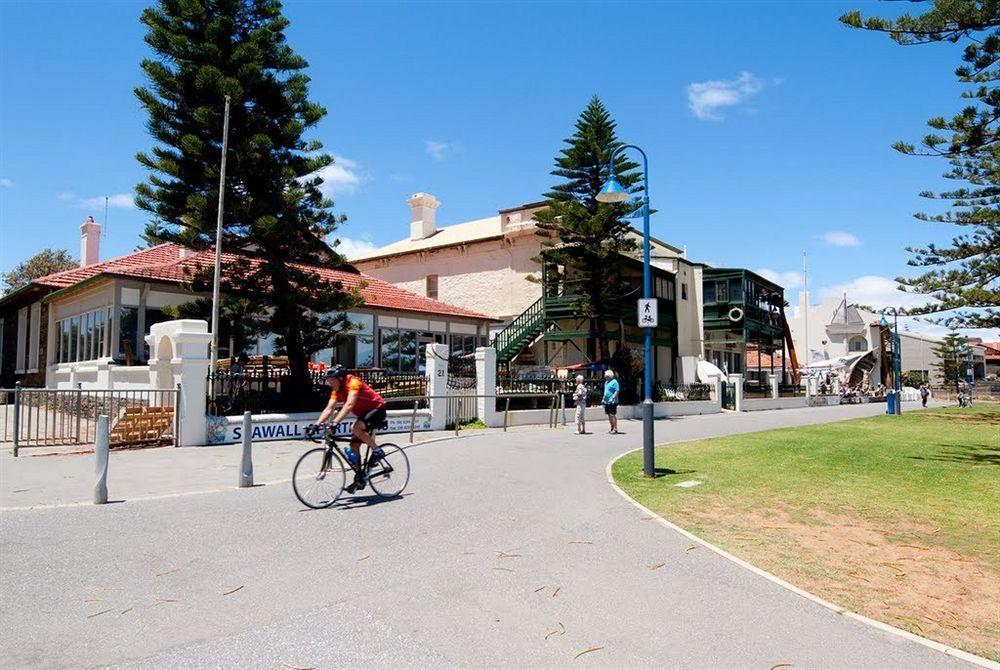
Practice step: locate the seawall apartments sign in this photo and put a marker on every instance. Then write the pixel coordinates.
(229, 429)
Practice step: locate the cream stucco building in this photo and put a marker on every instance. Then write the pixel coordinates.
(486, 264)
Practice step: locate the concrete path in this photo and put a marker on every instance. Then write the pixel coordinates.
(507, 551)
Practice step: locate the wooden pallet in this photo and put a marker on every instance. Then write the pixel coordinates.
(142, 426)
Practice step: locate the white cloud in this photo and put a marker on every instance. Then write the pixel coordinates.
(840, 238)
(342, 177)
(65, 195)
(437, 150)
(118, 201)
(789, 279)
(6, 183)
(874, 291)
(352, 248)
(705, 98)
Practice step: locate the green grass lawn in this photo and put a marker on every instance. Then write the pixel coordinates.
(883, 515)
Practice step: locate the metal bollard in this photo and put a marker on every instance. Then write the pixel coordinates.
(101, 460)
(17, 417)
(246, 464)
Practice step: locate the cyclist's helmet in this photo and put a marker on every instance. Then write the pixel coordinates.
(336, 371)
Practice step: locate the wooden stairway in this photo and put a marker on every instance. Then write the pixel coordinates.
(142, 426)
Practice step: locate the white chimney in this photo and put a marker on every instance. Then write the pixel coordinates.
(423, 223)
(90, 241)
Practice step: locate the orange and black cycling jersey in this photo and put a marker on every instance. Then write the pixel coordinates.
(367, 400)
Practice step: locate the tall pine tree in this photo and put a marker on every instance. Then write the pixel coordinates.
(951, 352)
(964, 276)
(582, 234)
(274, 209)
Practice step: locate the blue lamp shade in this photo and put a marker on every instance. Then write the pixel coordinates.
(612, 191)
(883, 321)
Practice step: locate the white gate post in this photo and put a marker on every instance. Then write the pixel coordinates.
(486, 387)
(186, 342)
(437, 384)
(736, 380)
(772, 380)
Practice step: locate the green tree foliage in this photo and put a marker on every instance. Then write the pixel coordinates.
(951, 360)
(275, 216)
(45, 262)
(964, 276)
(582, 238)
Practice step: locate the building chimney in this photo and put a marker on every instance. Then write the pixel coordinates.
(90, 241)
(423, 223)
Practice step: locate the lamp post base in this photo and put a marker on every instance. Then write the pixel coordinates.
(648, 467)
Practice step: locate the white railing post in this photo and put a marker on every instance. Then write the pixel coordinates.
(101, 460)
(772, 380)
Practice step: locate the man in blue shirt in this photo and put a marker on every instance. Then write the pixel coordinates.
(611, 400)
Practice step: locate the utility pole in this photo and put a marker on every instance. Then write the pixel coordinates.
(218, 243)
(805, 306)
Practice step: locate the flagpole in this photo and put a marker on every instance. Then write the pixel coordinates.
(218, 243)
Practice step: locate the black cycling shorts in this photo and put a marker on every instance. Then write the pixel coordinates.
(375, 419)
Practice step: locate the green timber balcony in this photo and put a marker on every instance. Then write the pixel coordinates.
(759, 302)
(557, 317)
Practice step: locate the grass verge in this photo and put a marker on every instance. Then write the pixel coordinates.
(897, 518)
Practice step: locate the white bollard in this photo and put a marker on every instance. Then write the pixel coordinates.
(246, 463)
(101, 459)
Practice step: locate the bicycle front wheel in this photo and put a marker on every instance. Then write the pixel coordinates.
(319, 477)
(389, 474)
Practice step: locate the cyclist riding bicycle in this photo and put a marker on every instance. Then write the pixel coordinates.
(363, 402)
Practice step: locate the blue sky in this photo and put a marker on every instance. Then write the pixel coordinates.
(768, 124)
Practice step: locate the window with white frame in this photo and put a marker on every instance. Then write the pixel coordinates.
(21, 345)
(857, 343)
(85, 337)
(34, 330)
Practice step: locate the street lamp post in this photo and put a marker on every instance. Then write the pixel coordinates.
(614, 192)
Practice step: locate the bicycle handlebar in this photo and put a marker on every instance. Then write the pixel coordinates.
(312, 430)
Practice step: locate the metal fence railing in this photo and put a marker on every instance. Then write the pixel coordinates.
(259, 390)
(37, 417)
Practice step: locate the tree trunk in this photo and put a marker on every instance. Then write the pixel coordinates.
(600, 324)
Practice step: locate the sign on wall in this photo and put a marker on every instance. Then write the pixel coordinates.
(227, 430)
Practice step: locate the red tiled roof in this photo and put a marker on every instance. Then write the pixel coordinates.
(163, 263)
(992, 350)
(764, 359)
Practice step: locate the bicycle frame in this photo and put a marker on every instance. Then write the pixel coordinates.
(333, 443)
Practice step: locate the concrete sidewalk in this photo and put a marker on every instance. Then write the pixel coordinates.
(46, 478)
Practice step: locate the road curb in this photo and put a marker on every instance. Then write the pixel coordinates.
(874, 623)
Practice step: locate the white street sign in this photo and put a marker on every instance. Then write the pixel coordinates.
(648, 314)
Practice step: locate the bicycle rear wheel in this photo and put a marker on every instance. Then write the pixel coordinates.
(319, 477)
(389, 474)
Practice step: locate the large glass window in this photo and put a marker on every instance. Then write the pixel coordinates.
(365, 352)
(709, 292)
(736, 290)
(74, 337)
(128, 330)
(857, 343)
(407, 351)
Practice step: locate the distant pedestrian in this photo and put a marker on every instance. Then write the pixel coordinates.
(580, 396)
(611, 400)
(924, 394)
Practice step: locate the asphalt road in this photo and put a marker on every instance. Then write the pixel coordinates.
(507, 551)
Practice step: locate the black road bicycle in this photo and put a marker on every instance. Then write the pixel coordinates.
(320, 475)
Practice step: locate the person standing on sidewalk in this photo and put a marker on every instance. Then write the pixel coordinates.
(611, 400)
(580, 396)
(924, 393)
